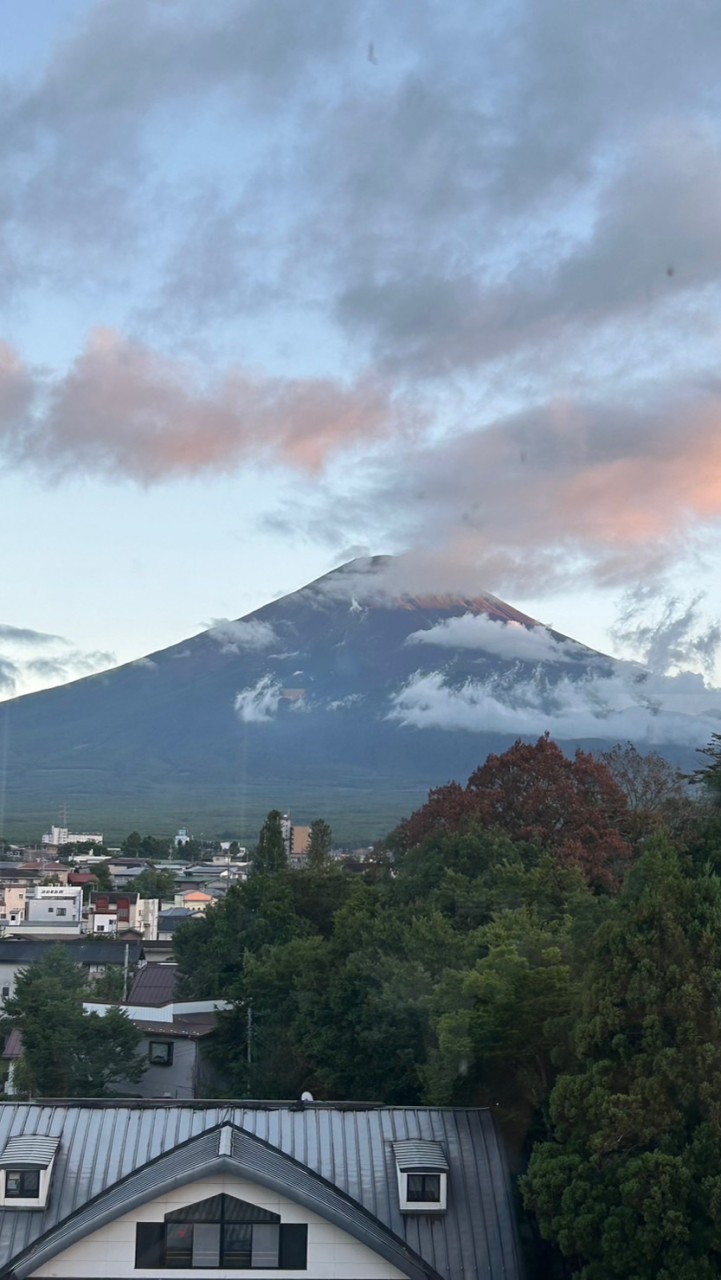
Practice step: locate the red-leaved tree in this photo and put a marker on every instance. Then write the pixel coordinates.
(572, 807)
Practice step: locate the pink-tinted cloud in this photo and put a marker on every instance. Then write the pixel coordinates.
(123, 410)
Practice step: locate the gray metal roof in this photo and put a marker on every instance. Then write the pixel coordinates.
(338, 1159)
(20, 951)
(29, 1151)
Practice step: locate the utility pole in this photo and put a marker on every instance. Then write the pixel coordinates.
(249, 1041)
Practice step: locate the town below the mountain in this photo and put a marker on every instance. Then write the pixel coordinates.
(542, 942)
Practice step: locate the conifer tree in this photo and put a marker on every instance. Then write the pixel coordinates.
(320, 844)
(271, 854)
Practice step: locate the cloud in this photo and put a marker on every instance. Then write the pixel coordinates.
(122, 409)
(9, 672)
(69, 666)
(666, 633)
(252, 634)
(627, 705)
(511, 640)
(559, 493)
(26, 636)
(259, 703)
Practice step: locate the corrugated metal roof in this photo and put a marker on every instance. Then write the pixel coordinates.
(29, 1151)
(420, 1155)
(154, 985)
(351, 1148)
(19, 951)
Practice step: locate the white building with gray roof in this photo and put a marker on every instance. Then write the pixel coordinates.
(331, 1191)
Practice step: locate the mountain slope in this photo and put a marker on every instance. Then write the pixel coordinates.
(344, 700)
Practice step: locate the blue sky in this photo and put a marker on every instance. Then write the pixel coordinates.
(284, 280)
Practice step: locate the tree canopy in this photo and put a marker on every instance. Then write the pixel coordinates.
(544, 940)
(68, 1053)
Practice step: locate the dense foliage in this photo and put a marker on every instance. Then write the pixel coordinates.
(68, 1053)
(545, 941)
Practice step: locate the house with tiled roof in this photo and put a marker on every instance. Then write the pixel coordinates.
(323, 1190)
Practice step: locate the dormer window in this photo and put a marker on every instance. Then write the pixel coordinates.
(26, 1168)
(422, 1170)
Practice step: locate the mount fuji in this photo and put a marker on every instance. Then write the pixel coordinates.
(347, 700)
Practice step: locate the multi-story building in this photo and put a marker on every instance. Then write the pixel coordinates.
(115, 911)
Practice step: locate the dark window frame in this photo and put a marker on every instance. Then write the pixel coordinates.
(423, 1188)
(164, 1059)
(28, 1185)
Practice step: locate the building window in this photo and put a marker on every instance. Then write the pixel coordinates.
(22, 1184)
(5, 992)
(423, 1187)
(222, 1232)
(61, 911)
(160, 1053)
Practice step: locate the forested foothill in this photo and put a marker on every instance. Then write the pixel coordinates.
(545, 941)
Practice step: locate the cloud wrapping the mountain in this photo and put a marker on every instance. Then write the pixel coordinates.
(259, 703)
(509, 640)
(614, 708)
(250, 634)
(627, 705)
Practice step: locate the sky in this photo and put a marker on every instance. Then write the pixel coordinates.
(283, 282)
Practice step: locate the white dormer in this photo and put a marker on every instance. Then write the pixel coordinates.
(422, 1170)
(26, 1168)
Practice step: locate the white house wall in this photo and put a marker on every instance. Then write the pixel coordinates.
(333, 1254)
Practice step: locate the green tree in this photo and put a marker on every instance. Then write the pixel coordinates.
(154, 883)
(68, 1053)
(630, 1184)
(102, 875)
(320, 844)
(271, 854)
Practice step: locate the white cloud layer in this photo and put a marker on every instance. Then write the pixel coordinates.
(511, 640)
(259, 703)
(238, 636)
(628, 705)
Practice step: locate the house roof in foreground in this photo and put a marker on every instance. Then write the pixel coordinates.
(337, 1159)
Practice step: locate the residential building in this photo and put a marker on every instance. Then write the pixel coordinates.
(115, 911)
(124, 870)
(51, 909)
(334, 1192)
(96, 957)
(169, 921)
(172, 1044)
(194, 900)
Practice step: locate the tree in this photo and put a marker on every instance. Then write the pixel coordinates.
(152, 883)
(320, 844)
(102, 875)
(630, 1185)
(709, 776)
(68, 1053)
(271, 854)
(648, 782)
(573, 808)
